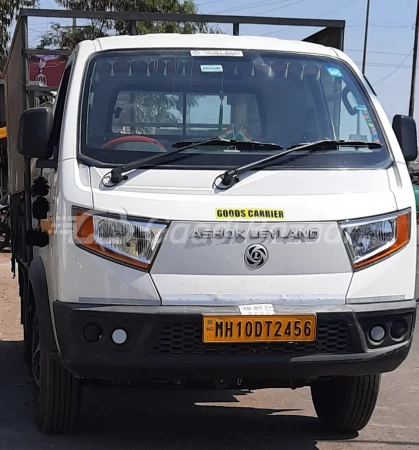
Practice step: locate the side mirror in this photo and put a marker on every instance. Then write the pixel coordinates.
(405, 129)
(34, 131)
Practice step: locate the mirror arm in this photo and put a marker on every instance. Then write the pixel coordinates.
(47, 164)
(351, 110)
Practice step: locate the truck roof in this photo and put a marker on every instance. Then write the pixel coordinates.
(213, 41)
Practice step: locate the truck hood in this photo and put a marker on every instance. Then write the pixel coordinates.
(190, 269)
(303, 195)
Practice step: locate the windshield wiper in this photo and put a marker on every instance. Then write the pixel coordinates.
(239, 145)
(117, 174)
(229, 177)
(336, 142)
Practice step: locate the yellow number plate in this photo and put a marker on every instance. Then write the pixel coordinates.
(259, 328)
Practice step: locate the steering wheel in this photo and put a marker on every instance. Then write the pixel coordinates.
(132, 138)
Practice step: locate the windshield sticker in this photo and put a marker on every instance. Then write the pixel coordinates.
(257, 310)
(249, 213)
(233, 53)
(334, 72)
(371, 126)
(361, 107)
(213, 68)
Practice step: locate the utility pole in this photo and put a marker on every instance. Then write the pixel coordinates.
(415, 61)
(364, 60)
(367, 24)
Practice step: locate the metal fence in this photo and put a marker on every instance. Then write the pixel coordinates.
(16, 101)
(331, 33)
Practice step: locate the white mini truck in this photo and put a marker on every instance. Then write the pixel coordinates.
(224, 212)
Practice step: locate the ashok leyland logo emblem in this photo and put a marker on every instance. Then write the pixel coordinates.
(255, 256)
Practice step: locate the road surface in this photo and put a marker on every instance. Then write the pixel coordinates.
(135, 419)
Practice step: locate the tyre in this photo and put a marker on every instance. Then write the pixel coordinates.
(56, 393)
(4, 235)
(346, 403)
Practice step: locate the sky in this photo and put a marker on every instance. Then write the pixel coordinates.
(390, 41)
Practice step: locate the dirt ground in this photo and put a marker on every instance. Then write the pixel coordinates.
(10, 328)
(133, 419)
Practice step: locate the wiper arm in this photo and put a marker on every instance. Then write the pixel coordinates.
(336, 142)
(240, 145)
(229, 177)
(117, 174)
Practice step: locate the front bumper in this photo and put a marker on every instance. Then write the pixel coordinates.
(165, 343)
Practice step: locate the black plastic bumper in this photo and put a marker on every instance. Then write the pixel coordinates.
(164, 343)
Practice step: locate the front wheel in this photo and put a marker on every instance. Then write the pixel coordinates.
(346, 403)
(56, 393)
(4, 235)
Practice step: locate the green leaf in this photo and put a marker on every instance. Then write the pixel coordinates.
(8, 12)
(68, 38)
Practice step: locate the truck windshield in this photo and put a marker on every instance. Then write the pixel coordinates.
(138, 103)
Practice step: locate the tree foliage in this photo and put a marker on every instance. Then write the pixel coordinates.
(148, 107)
(68, 37)
(8, 12)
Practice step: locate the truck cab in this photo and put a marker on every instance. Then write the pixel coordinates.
(218, 210)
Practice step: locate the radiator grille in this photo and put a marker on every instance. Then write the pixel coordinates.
(186, 339)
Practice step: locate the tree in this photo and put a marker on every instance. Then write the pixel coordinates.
(148, 107)
(8, 12)
(69, 37)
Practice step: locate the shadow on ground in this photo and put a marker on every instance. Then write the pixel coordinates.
(134, 418)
